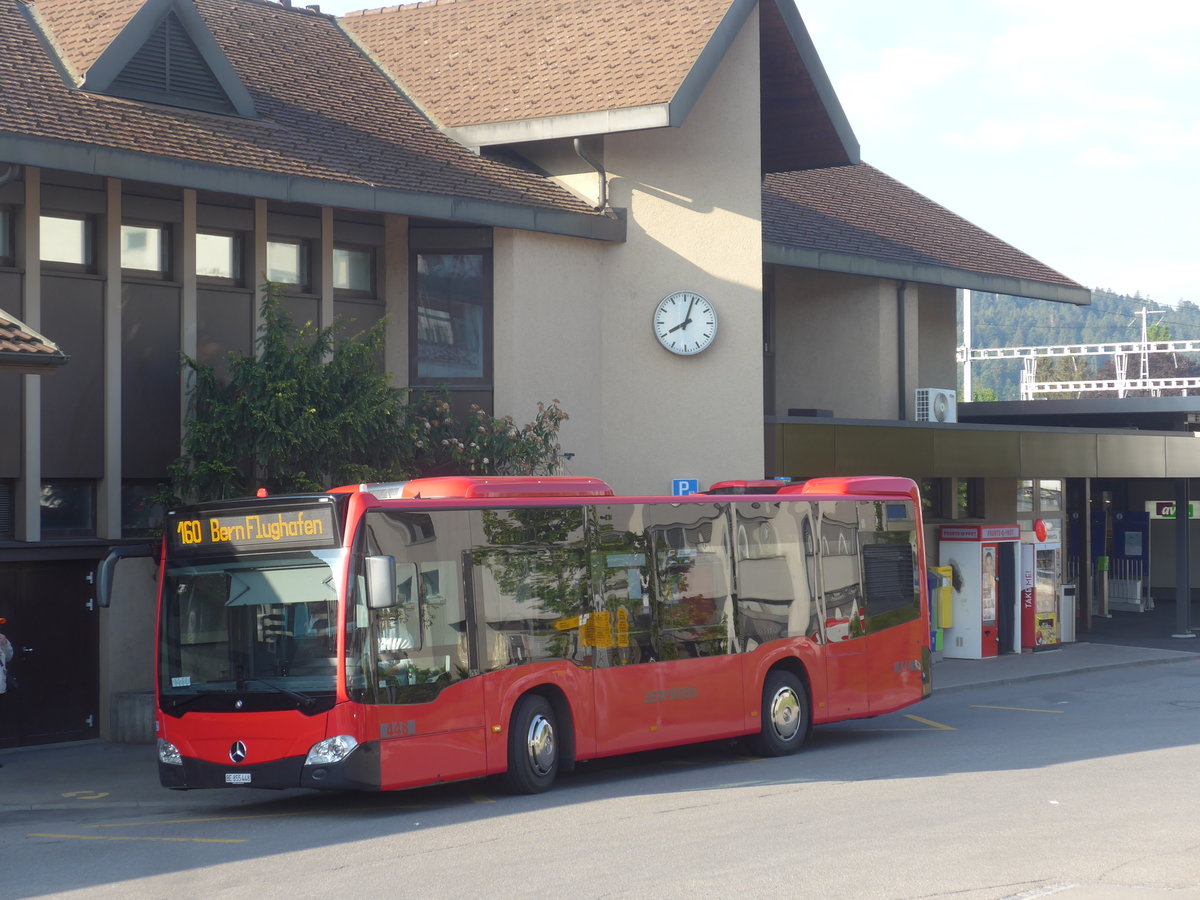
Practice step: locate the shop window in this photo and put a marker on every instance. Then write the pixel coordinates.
(219, 256)
(68, 508)
(451, 328)
(968, 498)
(933, 497)
(145, 249)
(68, 241)
(354, 269)
(288, 263)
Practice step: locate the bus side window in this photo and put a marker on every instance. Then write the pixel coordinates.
(695, 600)
(621, 631)
(776, 569)
(531, 584)
(837, 537)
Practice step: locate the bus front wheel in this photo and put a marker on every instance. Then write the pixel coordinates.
(532, 746)
(786, 715)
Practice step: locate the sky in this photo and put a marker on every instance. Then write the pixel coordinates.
(1068, 128)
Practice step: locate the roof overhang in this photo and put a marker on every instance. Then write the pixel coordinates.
(114, 163)
(874, 267)
(30, 363)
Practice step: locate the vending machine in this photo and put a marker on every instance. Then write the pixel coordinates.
(1041, 584)
(986, 598)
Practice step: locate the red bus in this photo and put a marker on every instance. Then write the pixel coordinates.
(381, 637)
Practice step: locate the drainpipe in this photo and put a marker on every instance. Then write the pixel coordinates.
(901, 388)
(587, 158)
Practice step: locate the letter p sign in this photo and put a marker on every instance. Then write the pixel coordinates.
(682, 487)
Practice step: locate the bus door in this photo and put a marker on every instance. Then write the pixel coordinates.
(701, 697)
(896, 634)
(835, 533)
(663, 640)
(620, 633)
(411, 662)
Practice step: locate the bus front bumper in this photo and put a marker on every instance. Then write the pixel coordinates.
(359, 771)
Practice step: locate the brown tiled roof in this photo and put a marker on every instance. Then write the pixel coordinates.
(325, 112)
(471, 62)
(858, 211)
(82, 31)
(23, 348)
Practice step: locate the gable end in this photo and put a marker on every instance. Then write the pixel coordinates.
(166, 54)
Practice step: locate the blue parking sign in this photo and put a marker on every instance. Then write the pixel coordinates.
(682, 487)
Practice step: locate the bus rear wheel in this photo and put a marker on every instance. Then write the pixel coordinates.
(786, 715)
(532, 746)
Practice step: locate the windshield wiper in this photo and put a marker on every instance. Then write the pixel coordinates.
(295, 695)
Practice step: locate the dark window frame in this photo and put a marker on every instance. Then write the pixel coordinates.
(88, 530)
(239, 241)
(165, 250)
(304, 286)
(8, 237)
(91, 239)
(443, 242)
(373, 252)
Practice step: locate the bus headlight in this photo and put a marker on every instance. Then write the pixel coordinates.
(168, 753)
(331, 750)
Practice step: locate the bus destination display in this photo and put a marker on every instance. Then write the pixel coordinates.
(251, 532)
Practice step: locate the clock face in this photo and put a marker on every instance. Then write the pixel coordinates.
(685, 323)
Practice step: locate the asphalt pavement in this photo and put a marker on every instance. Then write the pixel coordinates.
(97, 774)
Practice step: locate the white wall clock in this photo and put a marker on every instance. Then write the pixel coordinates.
(685, 323)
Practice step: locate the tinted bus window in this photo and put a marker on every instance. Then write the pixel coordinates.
(775, 570)
(622, 631)
(891, 593)
(530, 565)
(837, 542)
(694, 612)
(411, 651)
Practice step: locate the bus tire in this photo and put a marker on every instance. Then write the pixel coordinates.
(533, 746)
(786, 715)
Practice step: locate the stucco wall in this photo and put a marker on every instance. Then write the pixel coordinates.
(641, 416)
(937, 337)
(836, 345)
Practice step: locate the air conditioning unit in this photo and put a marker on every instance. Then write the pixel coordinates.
(936, 405)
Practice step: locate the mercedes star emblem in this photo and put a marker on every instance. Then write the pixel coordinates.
(237, 752)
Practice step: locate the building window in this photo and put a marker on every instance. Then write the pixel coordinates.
(933, 498)
(67, 241)
(144, 249)
(141, 511)
(1040, 499)
(968, 498)
(68, 508)
(8, 254)
(219, 256)
(288, 263)
(354, 269)
(451, 327)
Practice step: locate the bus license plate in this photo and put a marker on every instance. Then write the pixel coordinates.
(237, 777)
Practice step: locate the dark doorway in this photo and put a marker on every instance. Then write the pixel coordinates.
(53, 693)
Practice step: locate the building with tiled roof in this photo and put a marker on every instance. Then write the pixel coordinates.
(514, 185)
(25, 352)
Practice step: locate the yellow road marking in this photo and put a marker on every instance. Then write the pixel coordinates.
(316, 812)
(86, 795)
(929, 723)
(177, 840)
(481, 798)
(1020, 709)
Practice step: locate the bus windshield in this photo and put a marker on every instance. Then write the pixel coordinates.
(250, 633)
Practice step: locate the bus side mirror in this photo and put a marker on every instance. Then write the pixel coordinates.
(381, 582)
(107, 571)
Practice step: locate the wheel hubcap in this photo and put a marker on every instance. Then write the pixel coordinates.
(540, 742)
(785, 713)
